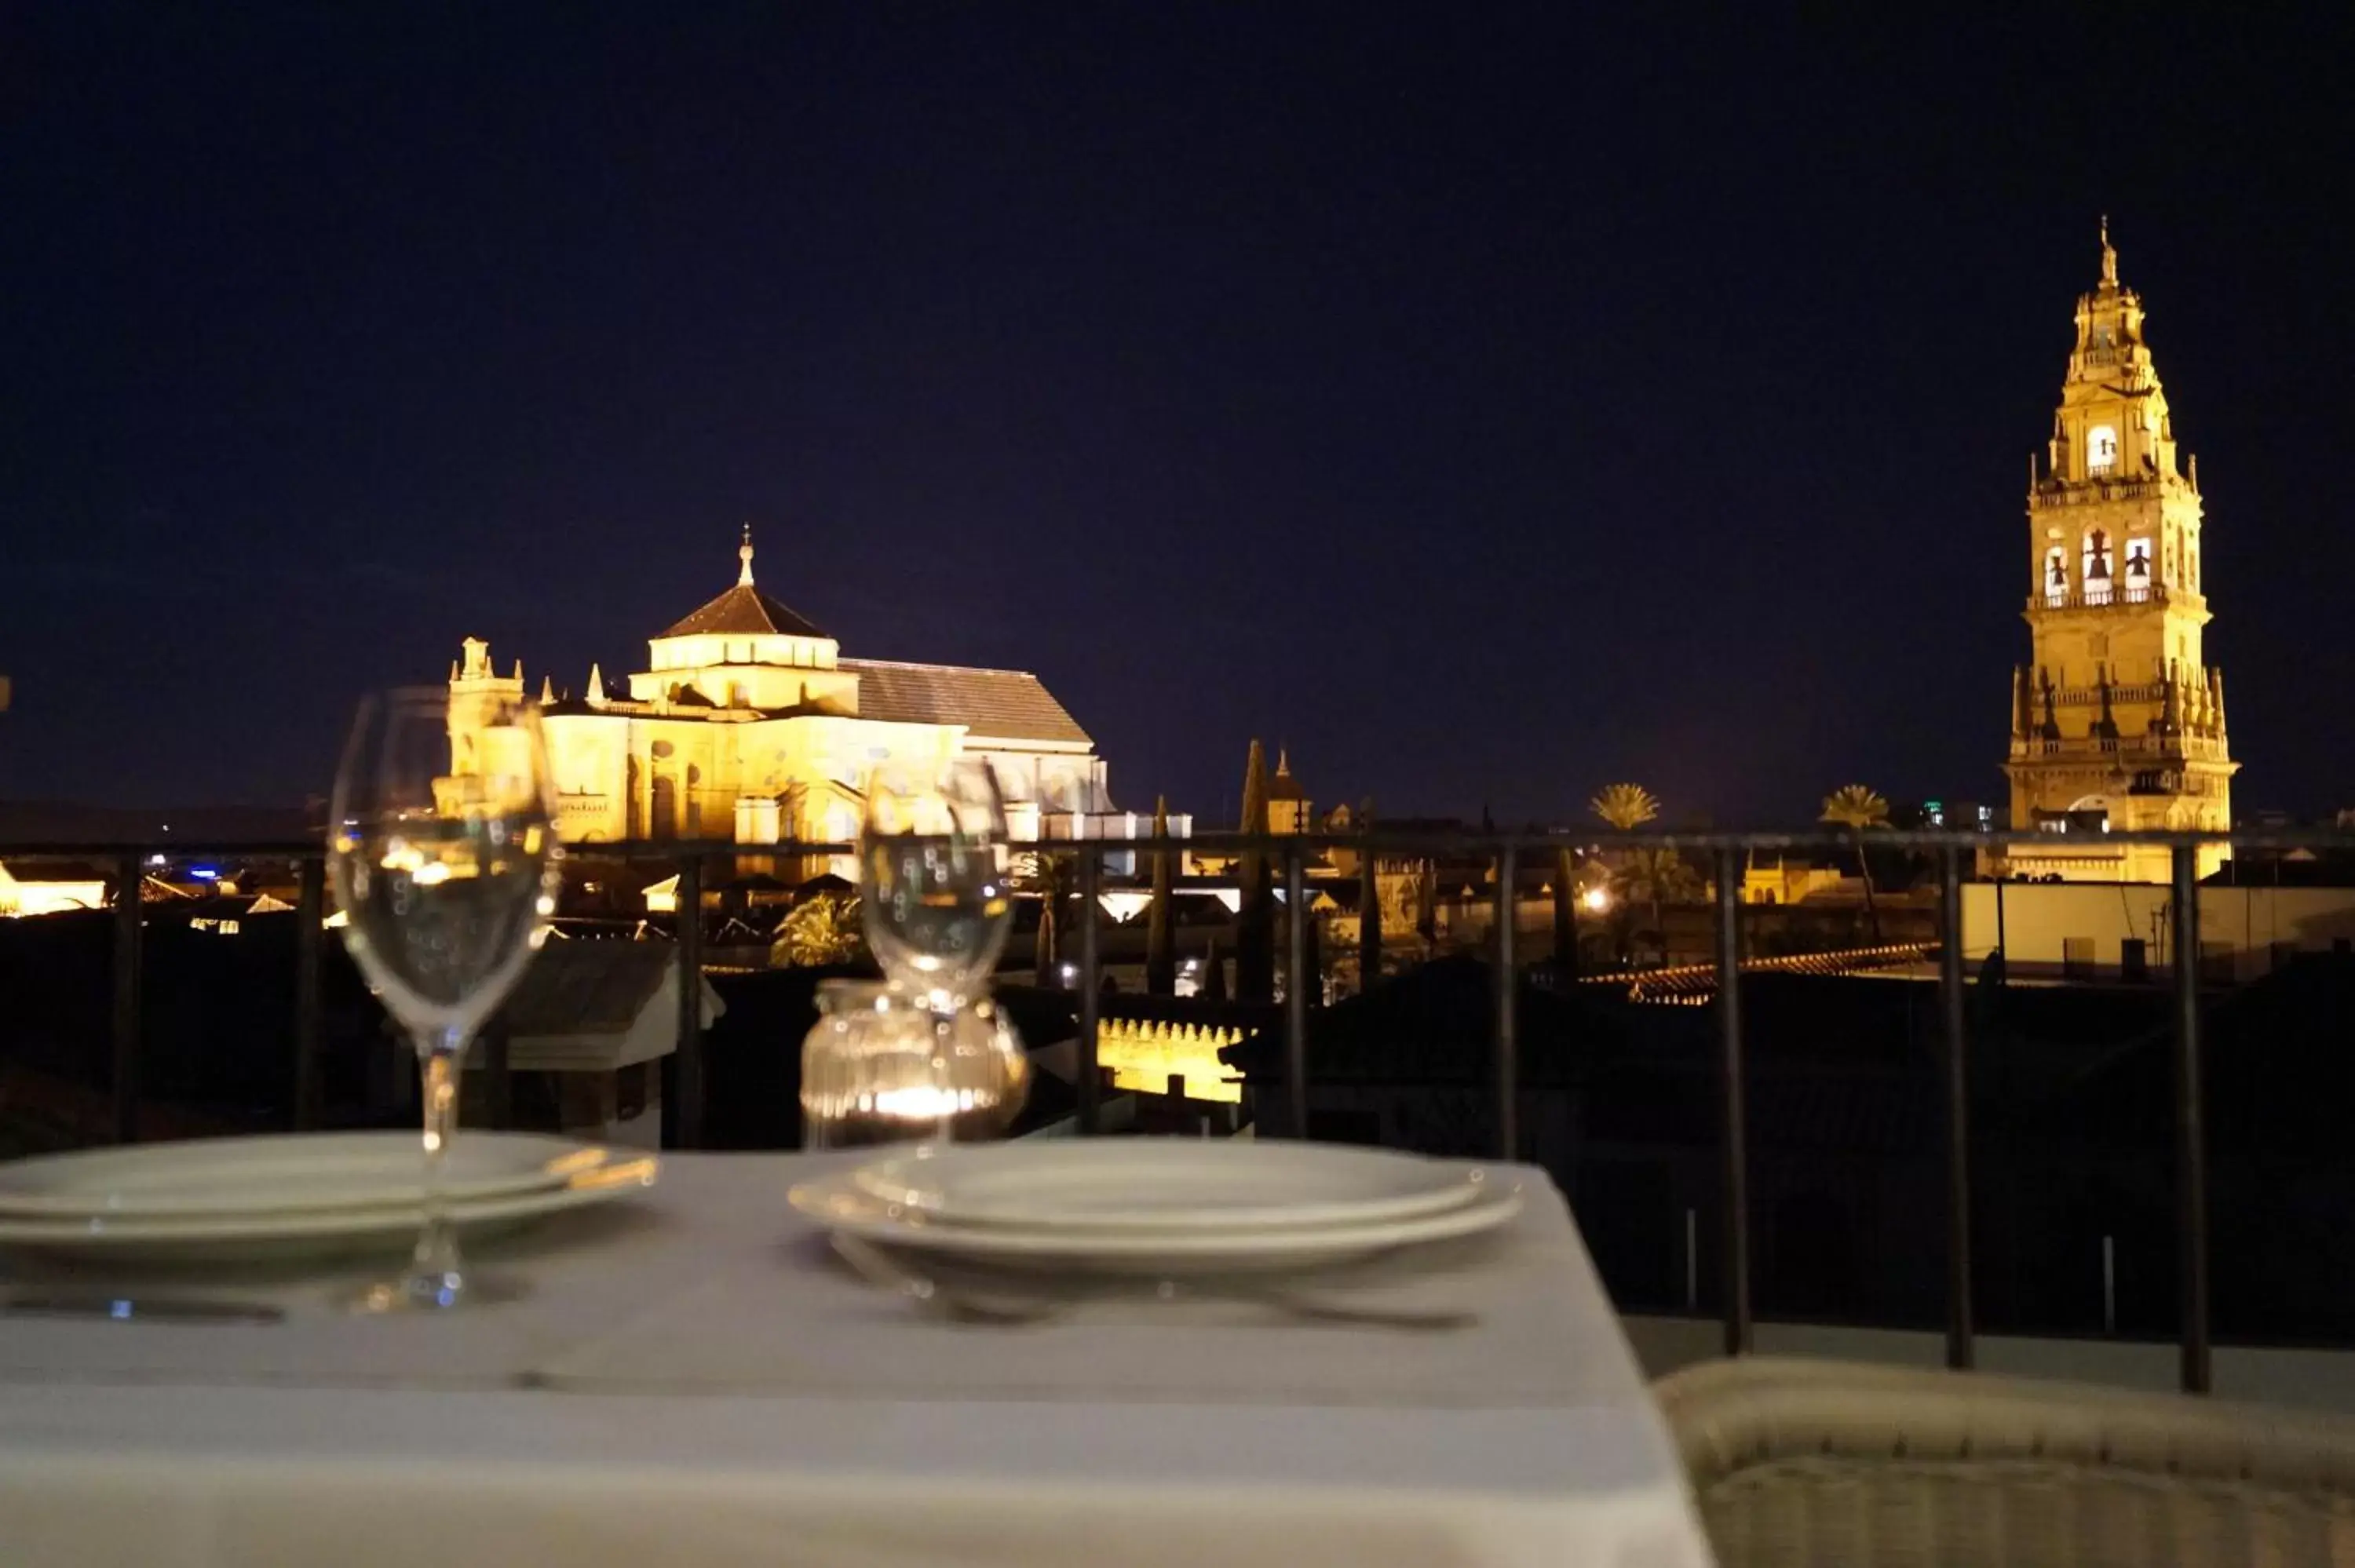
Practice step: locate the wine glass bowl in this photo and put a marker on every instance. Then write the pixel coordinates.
(442, 851)
(932, 887)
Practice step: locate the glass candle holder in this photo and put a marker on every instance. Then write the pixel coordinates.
(882, 1068)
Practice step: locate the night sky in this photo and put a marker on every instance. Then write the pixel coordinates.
(1487, 403)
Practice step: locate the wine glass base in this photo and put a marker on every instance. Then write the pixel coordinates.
(413, 1293)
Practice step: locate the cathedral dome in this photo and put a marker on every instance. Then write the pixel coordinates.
(744, 610)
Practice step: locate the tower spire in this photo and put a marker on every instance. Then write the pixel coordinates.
(744, 553)
(2109, 255)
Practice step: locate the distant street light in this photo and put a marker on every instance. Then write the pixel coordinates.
(1597, 899)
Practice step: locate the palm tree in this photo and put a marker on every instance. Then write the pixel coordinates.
(823, 929)
(1857, 807)
(1624, 806)
(1658, 876)
(1050, 878)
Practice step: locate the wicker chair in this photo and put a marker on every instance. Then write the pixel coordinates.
(1828, 1463)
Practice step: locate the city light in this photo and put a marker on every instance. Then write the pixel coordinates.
(1597, 899)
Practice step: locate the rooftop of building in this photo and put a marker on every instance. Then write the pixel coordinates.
(744, 610)
(999, 704)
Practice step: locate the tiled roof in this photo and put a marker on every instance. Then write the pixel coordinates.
(999, 704)
(744, 611)
(587, 987)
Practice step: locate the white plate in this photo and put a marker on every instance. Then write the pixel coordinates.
(289, 1173)
(1169, 1184)
(839, 1203)
(247, 1238)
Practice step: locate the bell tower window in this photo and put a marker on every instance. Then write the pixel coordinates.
(2102, 450)
(2056, 574)
(2137, 568)
(2098, 566)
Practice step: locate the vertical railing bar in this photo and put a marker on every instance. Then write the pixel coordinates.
(310, 937)
(687, 1078)
(1090, 1009)
(129, 878)
(2191, 1138)
(1508, 1071)
(1565, 919)
(1730, 1088)
(1958, 1111)
(1295, 988)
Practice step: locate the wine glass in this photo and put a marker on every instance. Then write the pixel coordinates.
(924, 1055)
(441, 841)
(933, 889)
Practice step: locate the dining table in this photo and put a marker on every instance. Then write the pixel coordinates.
(692, 1377)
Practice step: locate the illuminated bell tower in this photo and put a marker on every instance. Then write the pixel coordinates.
(475, 691)
(2117, 723)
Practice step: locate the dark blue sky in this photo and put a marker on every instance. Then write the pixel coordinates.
(1487, 402)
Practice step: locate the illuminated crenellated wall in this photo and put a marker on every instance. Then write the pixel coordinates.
(1144, 1052)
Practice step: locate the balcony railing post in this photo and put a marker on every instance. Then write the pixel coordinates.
(1958, 1111)
(2191, 1138)
(310, 936)
(1737, 1156)
(1508, 1074)
(686, 1079)
(1090, 1009)
(1565, 919)
(130, 875)
(1297, 981)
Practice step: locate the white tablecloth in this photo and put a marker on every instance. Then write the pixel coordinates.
(689, 1381)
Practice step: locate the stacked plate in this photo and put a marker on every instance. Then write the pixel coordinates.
(305, 1195)
(1149, 1206)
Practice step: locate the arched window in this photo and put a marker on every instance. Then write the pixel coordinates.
(665, 807)
(2096, 573)
(2138, 567)
(2101, 450)
(2056, 574)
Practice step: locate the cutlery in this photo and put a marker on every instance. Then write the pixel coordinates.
(996, 1302)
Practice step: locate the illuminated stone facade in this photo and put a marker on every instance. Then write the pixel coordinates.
(748, 726)
(1144, 1053)
(2117, 723)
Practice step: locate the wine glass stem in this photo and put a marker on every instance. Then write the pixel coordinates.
(441, 1055)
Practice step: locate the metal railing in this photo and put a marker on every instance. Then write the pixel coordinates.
(2105, 597)
(1726, 854)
